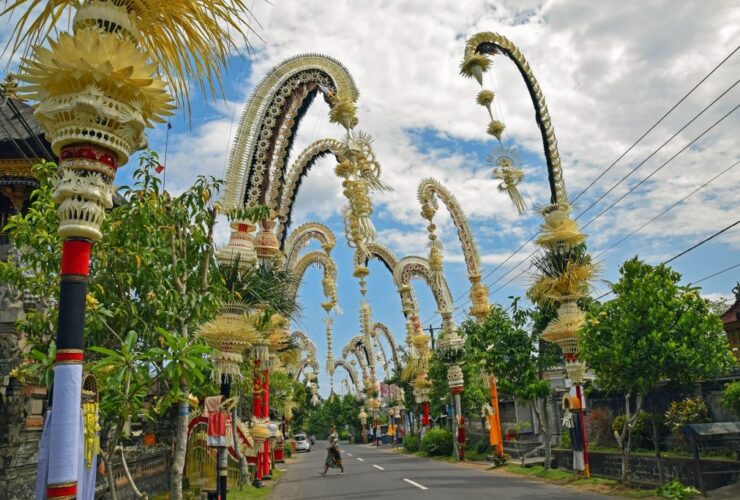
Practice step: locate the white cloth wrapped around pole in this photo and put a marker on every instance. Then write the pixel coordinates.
(65, 437)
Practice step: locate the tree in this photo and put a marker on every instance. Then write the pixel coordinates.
(123, 384)
(655, 330)
(503, 345)
(153, 269)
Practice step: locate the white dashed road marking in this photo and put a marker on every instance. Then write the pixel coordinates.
(378, 467)
(416, 484)
(350, 454)
(360, 459)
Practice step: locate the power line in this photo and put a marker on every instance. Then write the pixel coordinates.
(625, 177)
(693, 247)
(668, 209)
(706, 131)
(703, 241)
(715, 274)
(604, 195)
(659, 121)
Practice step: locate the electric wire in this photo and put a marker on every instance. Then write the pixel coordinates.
(661, 214)
(624, 178)
(605, 194)
(707, 130)
(691, 248)
(659, 121)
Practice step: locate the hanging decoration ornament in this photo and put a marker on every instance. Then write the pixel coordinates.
(506, 161)
(428, 209)
(564, 273)
(479, 298)
(360, 173)
(229, 334)
(330, 366)
(267, 245)
(241, 246)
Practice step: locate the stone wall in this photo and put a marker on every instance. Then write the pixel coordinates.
(21, 415)
(150, 470)
(644, 469)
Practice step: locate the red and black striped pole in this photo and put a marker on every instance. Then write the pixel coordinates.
(83, 193)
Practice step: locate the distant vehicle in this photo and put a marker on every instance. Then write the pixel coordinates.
(302, 443)
(312, 439)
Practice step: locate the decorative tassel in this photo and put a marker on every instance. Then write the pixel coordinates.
(560, 231)
(496, 129)
(511, 177)
(344, 112)
(485, 98)
(474, 66)
(435, 261)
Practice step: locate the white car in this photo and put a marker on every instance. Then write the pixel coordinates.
(302, 443)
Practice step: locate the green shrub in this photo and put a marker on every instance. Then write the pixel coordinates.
(344, 435)
(677, 491)
(692, 410)
(731, 397)
(483, 446)
(437, 442)
(287, 451)
(642, 429)
(411, 443)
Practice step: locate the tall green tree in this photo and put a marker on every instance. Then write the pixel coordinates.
(655, 330)
(505, 346)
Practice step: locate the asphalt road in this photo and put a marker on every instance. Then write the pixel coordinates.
(376, 473)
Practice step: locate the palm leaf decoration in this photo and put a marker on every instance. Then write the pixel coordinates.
(562, 274)
(190, 40)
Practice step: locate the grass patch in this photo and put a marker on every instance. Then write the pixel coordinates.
(257, 493)
(540, 472)
(248, 492)
(570, 479)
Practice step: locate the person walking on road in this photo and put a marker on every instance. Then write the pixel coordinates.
(333, 457)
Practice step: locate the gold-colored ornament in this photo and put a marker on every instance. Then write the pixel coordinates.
(485, 98)
(230, 333)
(479, 298)
(474, 66)
(189, 41)
(344, 112)
(559, 230)
(97, 88)
(266, 243)
(496, 129)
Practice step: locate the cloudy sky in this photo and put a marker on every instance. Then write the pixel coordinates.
(609, 71)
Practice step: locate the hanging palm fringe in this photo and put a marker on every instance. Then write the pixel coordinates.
(479, 298)
(510, 177)
(343, 112)
(189, 41)
(571, 284)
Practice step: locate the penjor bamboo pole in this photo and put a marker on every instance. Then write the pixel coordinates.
(65, 439)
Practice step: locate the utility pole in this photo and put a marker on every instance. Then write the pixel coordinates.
(433, 329)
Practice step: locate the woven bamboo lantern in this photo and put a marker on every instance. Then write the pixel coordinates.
(229, 334)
